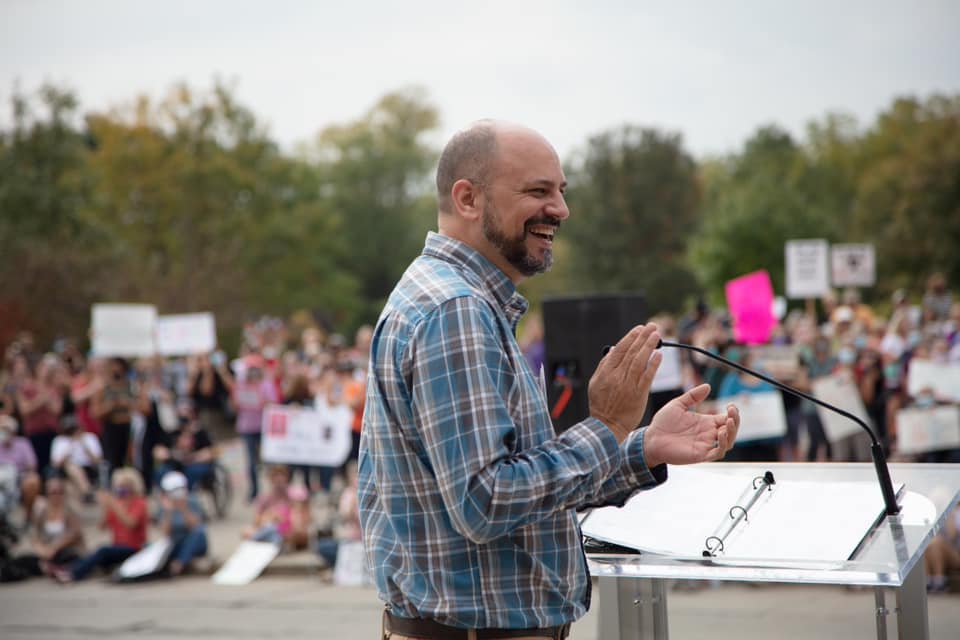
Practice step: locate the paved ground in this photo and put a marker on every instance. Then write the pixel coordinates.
(291, 601)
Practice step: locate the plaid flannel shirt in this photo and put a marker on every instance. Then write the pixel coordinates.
(467, 496)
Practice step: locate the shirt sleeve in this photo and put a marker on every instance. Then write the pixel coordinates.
(459, 375)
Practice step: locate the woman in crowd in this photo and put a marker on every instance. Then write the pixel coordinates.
(39, 404)
(58, 536)
(77, 455)
(943, 554)
(182, 520)
(125, 515)
(279, 518)
(113, 405)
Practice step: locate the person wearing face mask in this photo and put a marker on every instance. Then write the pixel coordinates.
(113, 405)
(77, 454)
(16, 451)
(125, 515)
(181, 519)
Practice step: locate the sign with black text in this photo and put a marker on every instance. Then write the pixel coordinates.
(297, 435)
(853, 265)
(806, 268)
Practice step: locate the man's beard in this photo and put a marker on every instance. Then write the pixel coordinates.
(515, 249)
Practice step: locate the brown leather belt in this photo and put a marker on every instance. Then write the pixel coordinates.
(433, 630)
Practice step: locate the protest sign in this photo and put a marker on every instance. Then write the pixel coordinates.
(146, 562)
(806, 268)
(782, 361)
(750, 301)
(351, 569)
(940, 377)
(670, 374)
(761, 415)
(839, 390)
(318, 436)
(123, 330)
(246, 563)
(186, 334)
(932, 429)
(852, 265)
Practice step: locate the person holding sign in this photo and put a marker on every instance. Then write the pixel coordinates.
(467, 496)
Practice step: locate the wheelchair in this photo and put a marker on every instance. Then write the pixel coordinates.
(218, 486)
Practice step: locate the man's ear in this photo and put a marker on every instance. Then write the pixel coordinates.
(467, 199)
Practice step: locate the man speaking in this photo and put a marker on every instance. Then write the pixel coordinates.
(467, 497)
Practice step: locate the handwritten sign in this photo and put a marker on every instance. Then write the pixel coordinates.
(806, 268)
(941, 378)
(761, 415)
(853, 265)
(923, 430)
(750, 300)
(840, 391)
(186, 334)
(123, 330)
(295, 435)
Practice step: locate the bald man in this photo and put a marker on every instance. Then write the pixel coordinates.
(467, 496)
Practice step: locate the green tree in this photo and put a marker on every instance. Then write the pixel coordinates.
(375, 176)
(51, 256)
(756, 201)
(908, 193)
(634, 199)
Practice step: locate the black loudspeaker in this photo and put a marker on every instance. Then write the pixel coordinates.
(575, 331)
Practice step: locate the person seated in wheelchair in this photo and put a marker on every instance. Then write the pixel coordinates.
(188, 450)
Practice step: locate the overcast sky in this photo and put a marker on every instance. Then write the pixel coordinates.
(711, 70)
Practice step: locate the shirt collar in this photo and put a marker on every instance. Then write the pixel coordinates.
(490, 277)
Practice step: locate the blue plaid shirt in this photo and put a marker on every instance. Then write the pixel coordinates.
(467, 496)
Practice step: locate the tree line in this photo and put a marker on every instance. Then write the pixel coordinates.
(186, 202)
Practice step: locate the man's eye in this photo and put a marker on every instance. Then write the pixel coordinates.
(539, 191)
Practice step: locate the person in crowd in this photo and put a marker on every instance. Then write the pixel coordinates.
(39, 405)
(157, 404)
(181, 519)
(463, 483)
(77, 455)
(125, 515)
(277, 517)
(58, 536)
(943, 554)
(16, 452)
(87, 383)
(348, 517)
(188, 450)
(251, 394)
(207, 389)
(113, 406)
(818, 364)
(297, 393)
(733, 385)
(937, 299)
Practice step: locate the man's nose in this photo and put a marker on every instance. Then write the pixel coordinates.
(558, 208)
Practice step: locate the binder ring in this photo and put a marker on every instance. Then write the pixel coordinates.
(709, 551)
(742, 510)
(766, 479)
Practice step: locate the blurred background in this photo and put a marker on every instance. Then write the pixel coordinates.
(267, 168)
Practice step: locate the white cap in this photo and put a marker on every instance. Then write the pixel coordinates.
(173, 481)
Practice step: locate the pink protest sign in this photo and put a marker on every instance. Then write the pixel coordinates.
(750, 300)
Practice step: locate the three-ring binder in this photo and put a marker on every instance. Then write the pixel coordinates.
(736, 514)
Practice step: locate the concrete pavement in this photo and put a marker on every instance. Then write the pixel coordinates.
(291, 601)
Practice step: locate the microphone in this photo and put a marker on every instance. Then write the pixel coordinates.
(876, 449)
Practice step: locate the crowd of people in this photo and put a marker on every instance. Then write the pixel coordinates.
(113, 434)
(117, 435)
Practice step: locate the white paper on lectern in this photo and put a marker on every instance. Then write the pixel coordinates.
(796, 521)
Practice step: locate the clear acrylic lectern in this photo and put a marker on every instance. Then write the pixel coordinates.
(633, 587)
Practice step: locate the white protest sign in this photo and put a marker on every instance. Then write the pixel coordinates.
(806, 268)
(669, 375)
(761, 415)
(840, 391)
(186, 334)
(147, 561)
(853, 265)
(246, 563)
(351, 568)
(123, 330)
(295, 435)
(923, 430)
(940, 377)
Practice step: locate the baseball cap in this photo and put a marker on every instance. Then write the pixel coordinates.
(173, 481)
